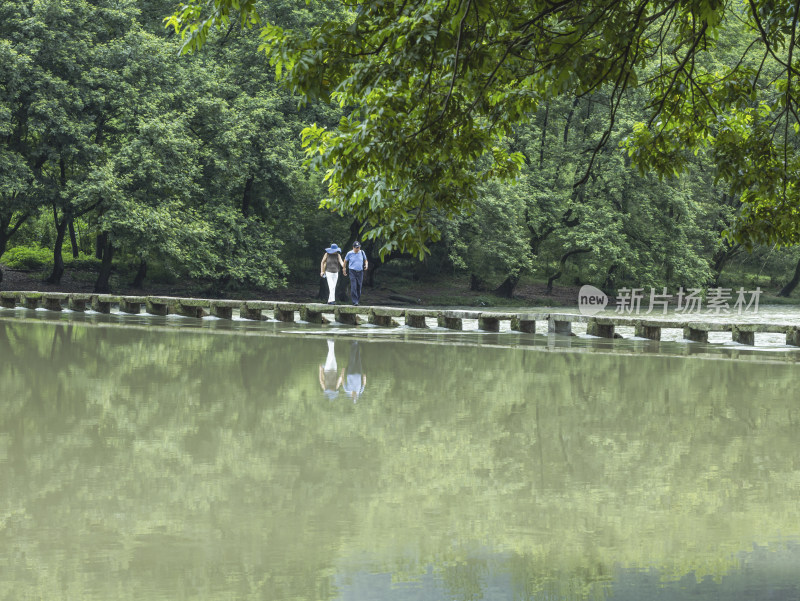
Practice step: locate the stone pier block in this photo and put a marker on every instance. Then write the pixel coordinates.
(252, 309)
(381, 320)
(696, 332)
(743, 335)
(131, 304)
(524, 323)
(101, 303)
(490, 322)
(246, 312)
(285, 311)
(600, 327)
(223, 309)
(451, 323)
(78, 302)
(54, 301)
(347, 315)
(382, 316)
(651, 332)
(192, 307)
(465, 314)
(793, 337)
(313, 313)
(8, 299)
(556, 326)
(158, 305)
(31, 300)
(52, 304)
(415, 318)
(452, 320)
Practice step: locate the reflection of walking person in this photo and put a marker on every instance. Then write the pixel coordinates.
(329, 269)
(354, 378)
(356, 263)
(329, 378)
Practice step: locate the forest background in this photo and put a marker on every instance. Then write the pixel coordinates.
(124, 165)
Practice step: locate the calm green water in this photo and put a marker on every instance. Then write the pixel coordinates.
(167, 462)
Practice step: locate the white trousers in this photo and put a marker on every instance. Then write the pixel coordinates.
(332, 277)
(330, 361)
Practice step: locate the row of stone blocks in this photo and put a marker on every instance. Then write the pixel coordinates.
(384, 316)
(254, 310)
(694, 331)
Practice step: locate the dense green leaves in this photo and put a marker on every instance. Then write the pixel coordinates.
(193, 164)
(486, 133)
(432, 86)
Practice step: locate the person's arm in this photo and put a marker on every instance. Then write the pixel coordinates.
(365, 261)
(344, 265)
(322, 264)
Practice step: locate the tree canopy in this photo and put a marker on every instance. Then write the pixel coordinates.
(533, 143)
(433, 88)
(103, 125)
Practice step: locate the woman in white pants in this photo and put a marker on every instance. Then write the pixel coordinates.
(329, 377)
(329, 269)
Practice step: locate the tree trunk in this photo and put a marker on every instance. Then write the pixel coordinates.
(102, 284)
(3, 242)
(61, 230)
(569, 119)
(721, 258)
(138, 281)
(73, 239)
(544, 135)
(248, 186)
(58, 259)
(369, 274)
(561, 265)
(506, 289)
(370, 253)
(100, 244)
(355, 229)
(476, 284)
(7, 231)
(608, 283)
(343, 288)
(789, 288)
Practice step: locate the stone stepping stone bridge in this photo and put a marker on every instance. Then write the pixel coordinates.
(557, 323)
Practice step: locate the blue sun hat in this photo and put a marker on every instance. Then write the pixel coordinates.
(333, 249)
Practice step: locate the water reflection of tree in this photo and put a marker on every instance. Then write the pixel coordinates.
(173, 456)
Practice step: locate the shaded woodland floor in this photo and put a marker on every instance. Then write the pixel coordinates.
(391, 291)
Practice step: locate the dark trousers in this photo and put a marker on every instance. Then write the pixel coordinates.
(356, 281)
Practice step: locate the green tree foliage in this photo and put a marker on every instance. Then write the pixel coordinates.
(193, 167)
(432, 86)
(195, 164)
(569, 208)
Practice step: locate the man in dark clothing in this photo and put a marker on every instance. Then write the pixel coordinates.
(354, 379)
(356, 264)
